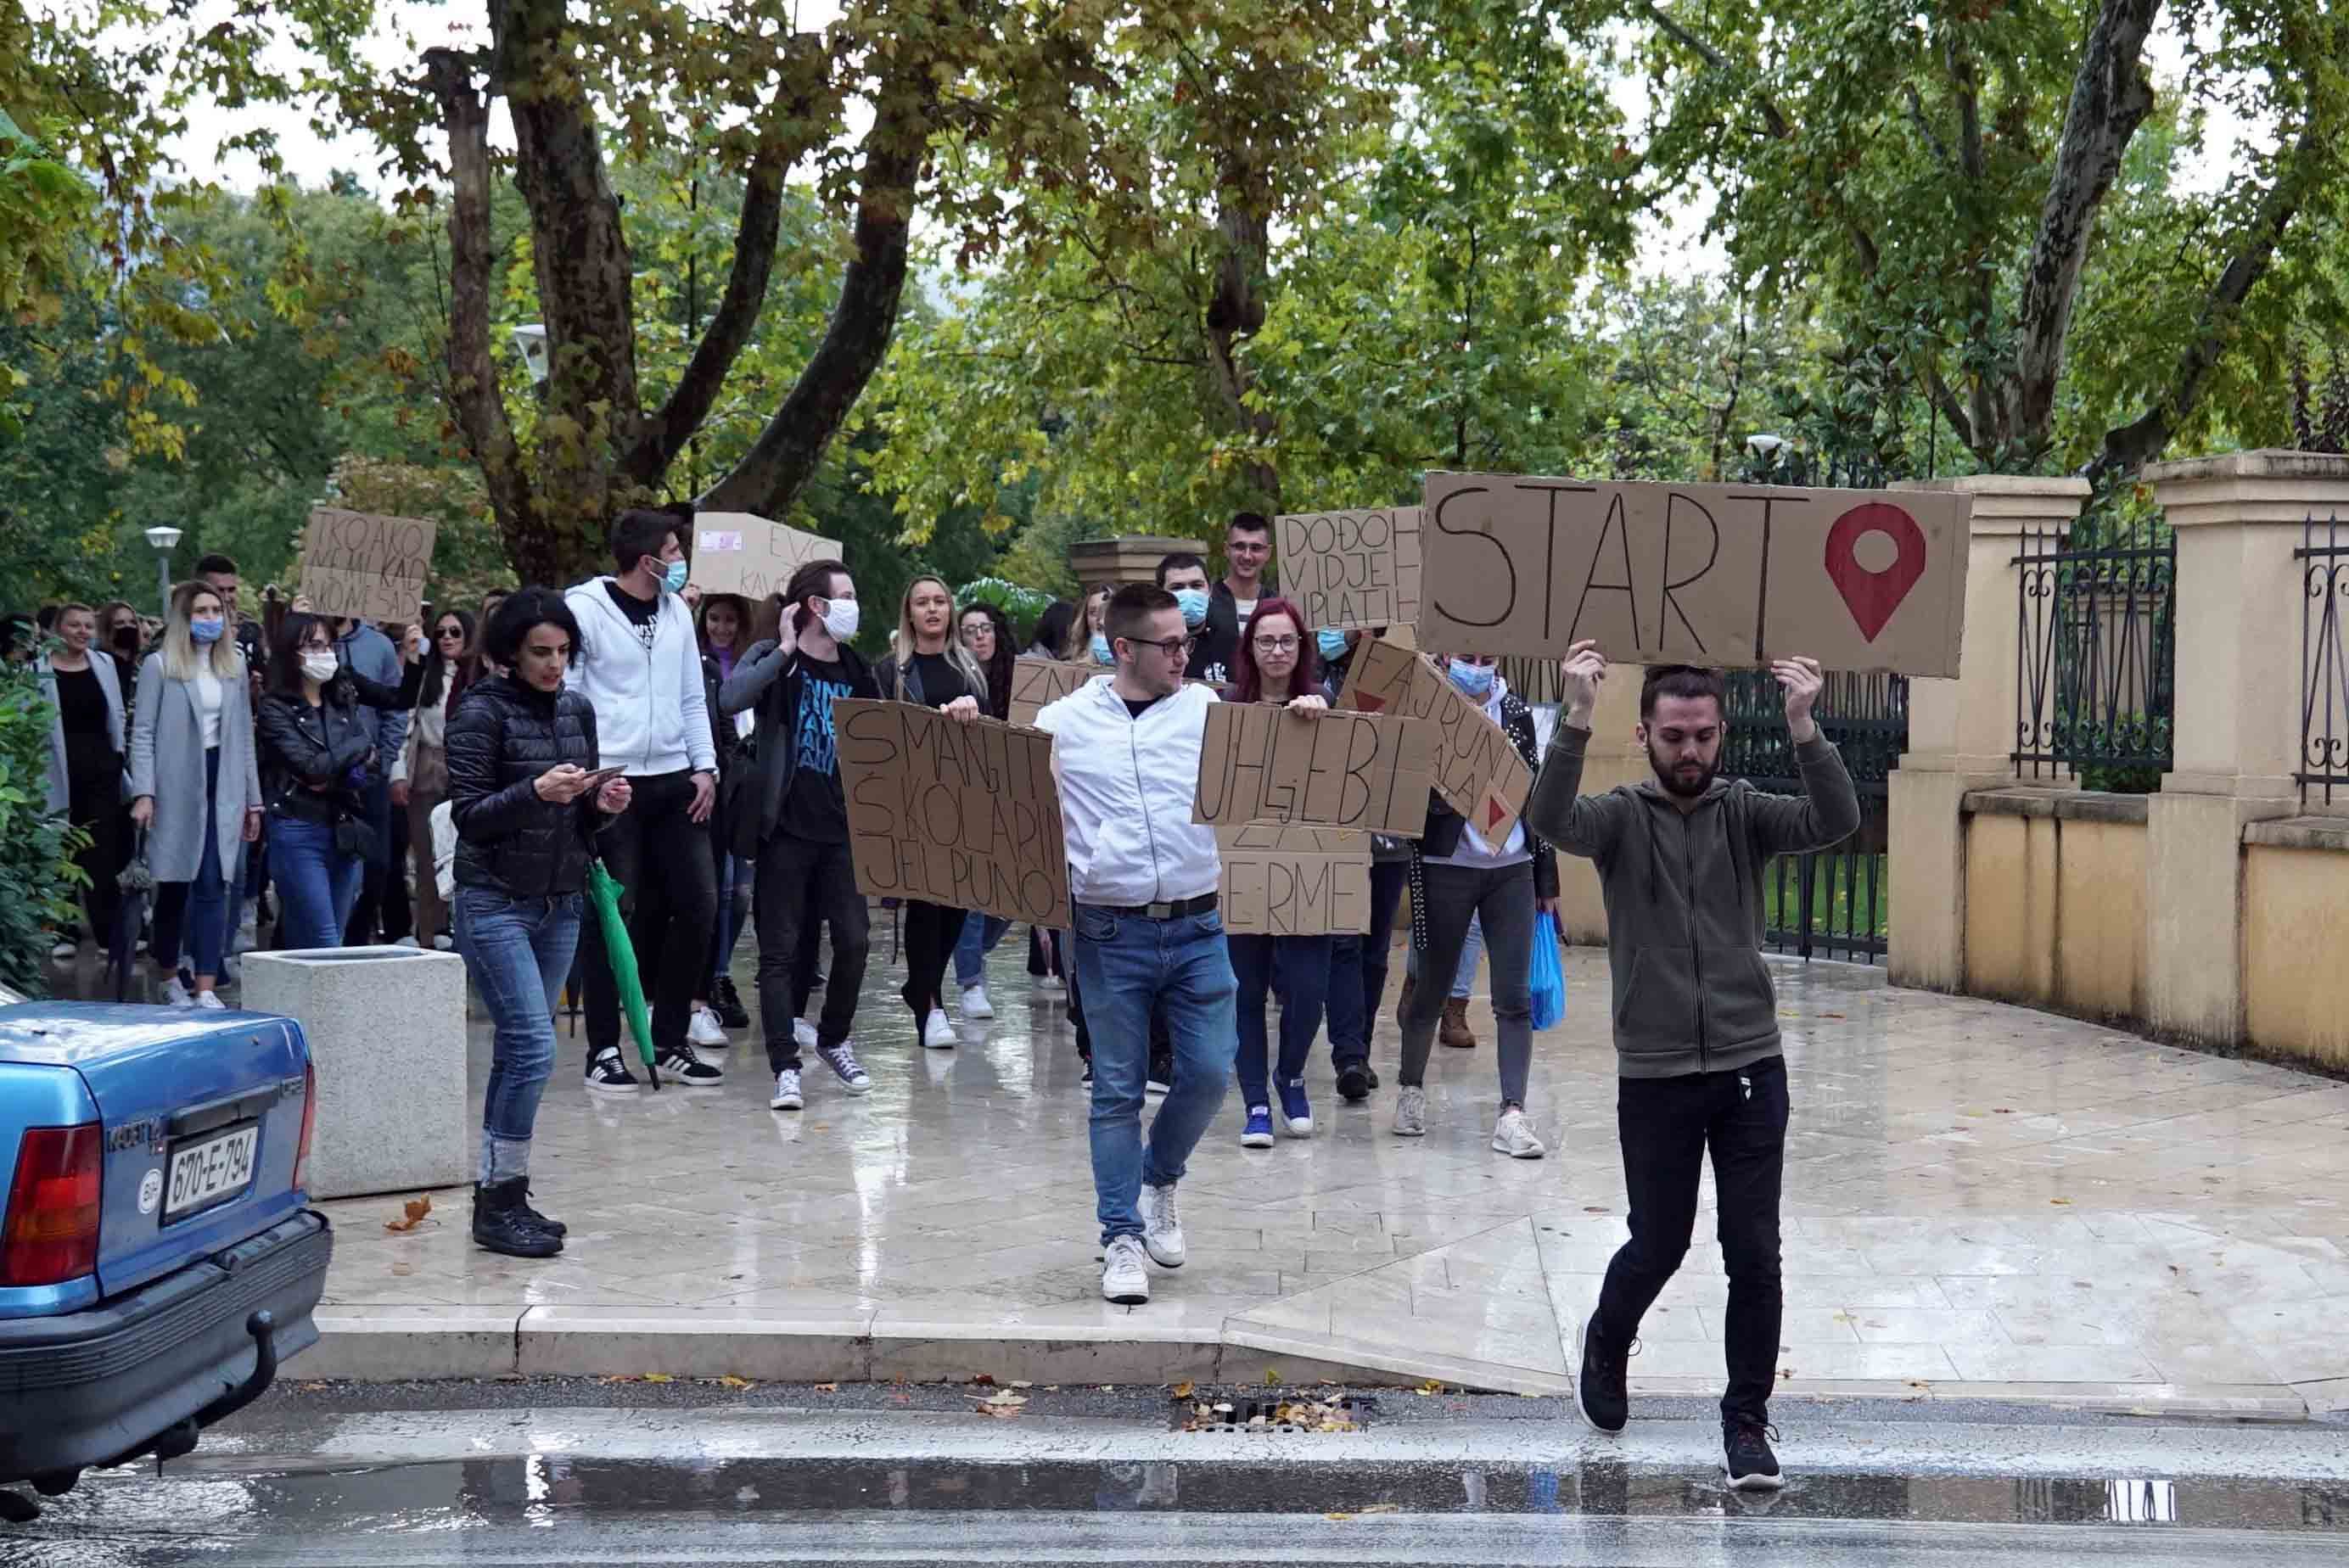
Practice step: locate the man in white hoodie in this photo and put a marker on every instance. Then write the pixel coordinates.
(1142, 879)
(640, 668)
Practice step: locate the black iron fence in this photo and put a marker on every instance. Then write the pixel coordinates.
(2095, 631)
(1834, 903)
(2324, 671)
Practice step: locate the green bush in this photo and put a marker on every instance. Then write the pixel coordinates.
(40, 886)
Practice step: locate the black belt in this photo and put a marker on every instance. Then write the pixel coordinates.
(1179, 909)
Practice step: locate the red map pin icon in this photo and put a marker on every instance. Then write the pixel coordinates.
(1872, 597)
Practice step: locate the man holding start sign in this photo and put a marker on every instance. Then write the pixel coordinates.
(1680, 861)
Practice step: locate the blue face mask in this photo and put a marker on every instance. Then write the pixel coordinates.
(673, 580)
(1331, 641)
(206, 630)
(1101, 655)
(1473, 680)
(1192, 601)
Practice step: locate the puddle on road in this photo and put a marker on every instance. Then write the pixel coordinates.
(511, 1490)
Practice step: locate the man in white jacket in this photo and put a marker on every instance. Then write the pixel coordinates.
(640, 668)
(1143, 878)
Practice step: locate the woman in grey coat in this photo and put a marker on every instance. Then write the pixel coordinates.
(84, 687)
(193, 721)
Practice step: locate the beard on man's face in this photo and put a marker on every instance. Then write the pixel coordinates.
(1686, 778)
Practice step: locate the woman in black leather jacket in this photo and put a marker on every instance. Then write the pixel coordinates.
(315, 755)
(526, 806)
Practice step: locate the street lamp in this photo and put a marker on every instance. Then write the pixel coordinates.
(1765, 446)
(530, 342)
(165, 539)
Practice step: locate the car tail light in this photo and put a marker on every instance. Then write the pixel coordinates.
(309, 1120)
(51, 1233)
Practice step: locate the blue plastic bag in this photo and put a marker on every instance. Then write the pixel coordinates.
(1549, 978)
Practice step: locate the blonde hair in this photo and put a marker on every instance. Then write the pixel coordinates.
(907, 644)
(1080, 630)
(180, 654)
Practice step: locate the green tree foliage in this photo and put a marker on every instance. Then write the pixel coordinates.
(40, 886)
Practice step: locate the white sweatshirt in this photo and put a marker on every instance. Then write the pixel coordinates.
(652, 715)
(1126, 786)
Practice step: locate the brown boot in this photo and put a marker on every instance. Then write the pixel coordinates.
(1454, 1032)
(1402, 1004)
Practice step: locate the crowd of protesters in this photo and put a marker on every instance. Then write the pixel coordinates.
(448, 784)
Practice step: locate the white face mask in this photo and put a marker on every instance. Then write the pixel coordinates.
(320, 667)
(840, 619)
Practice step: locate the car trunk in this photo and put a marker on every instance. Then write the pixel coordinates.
(202, 1123)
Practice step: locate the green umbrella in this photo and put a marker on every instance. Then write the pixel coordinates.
(605, 894)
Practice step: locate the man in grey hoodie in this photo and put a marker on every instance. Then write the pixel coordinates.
(1680, 861)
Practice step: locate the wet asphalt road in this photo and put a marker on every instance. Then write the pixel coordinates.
(590, 1473)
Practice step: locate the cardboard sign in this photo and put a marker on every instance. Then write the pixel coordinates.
(374, 568)
(1477, 770)
(1706, 575)
(1037, 683)
(1295, 882)
(959, 814)
(1351, 570)
(1261, 763)
(737, 553)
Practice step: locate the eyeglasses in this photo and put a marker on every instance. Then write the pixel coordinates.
(1173, 648)
(1276, 644)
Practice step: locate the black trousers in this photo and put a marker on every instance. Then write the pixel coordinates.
(382, 904)
(803, 885)
(931, 932)
(660, 857)
(94, 803)
(1666, 1127)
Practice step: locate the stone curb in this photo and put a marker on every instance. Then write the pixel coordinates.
(407, 1343)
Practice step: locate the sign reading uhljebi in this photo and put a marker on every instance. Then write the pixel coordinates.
(1258, 762)
(964, 815)
(1708, 574)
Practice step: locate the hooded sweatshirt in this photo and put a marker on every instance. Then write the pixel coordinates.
(652, 711)
(1683, 895)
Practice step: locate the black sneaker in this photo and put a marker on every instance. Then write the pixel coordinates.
(727, 1003)
(1746, 1456)
(680, 1063)
(1599, 1393)
(607, 1074)
(1374, 1076)
(1354, 1083)
(502, 1224)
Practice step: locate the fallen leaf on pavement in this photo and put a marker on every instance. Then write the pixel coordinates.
(2066, 1201)
(658, 1378)
(414, 1210)
(984, 1380)
(1183, 1391)
(1272, 1377)
(827, 1387)
(1431, 1387)
(731, 1381)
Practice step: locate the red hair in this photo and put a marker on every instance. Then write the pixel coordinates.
(1304, 680)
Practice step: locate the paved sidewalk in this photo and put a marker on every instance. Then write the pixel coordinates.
(1981, 1201)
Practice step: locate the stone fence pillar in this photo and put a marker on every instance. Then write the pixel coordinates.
(1962, 732)
(2238, 518)
(1129, 558)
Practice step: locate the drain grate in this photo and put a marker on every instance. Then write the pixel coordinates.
(1247, 1417)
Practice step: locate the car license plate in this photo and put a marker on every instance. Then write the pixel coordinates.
(207, 1172)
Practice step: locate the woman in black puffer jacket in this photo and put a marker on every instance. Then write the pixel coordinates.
(522, 756)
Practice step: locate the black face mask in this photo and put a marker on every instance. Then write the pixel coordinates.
(125, 638)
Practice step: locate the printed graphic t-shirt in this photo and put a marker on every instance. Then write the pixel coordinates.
(815, 810)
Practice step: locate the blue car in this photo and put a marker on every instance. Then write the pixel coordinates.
(158, 1258)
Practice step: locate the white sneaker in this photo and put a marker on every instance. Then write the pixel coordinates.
(975, 1003)
(803, 1033)
(1161, 1232)
(178, 995)
(64, 950)
(1123, 1279)
(405, 941)
(207, 1002)
(705, 1030)
(1513, 1135)
(938, 1032)
(787, 1091)
(444, 943)
(1411, 1112)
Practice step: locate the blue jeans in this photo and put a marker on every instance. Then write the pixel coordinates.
(316, 885)
(1303, 963)
(1126, 964)
(980, 933)
(1358, 967)
(519, 952)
